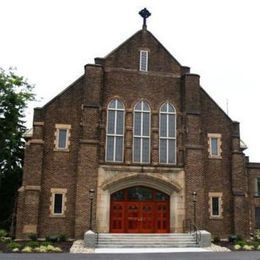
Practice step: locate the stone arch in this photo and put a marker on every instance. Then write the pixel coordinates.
(122, 182)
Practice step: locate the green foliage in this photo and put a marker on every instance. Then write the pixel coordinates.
(33, 237)
(14, 245)
(3, 233)
(27, 249)
(257, 235)
(53, 238)
(33, 244)
(62, 238)
(15, 93)
(46, 243)
(232, 238)
(241, 243)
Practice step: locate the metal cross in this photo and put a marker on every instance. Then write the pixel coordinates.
(145, 14)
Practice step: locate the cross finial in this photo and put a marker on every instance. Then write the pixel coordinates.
(145, 14)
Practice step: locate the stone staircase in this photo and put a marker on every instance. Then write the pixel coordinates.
(108, 240)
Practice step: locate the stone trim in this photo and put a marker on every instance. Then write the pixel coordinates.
(159, 183)
(219, 143)
(64, 200)
(35, 141)
(32, 187)
(138, 168)
(56, 134)
(218, 195)
(38, 123)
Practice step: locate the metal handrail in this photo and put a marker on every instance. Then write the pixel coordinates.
(191, 228)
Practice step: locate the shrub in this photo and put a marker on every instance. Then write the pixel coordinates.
(16, 250)
(237, 247)
(57, 249)
(46, 243)
(14, 245)
(257, 235)
(62, 238)
(248, 247)
(216, 239)
(41, 249)
(52, 239)
(3, 233)
(27, 249)
(254, 244)
(241, 243)
(50, 248)
(258, 248)
(232, 238)
(33, 244)
(33, 237)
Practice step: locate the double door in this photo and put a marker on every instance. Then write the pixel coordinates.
(139, 217)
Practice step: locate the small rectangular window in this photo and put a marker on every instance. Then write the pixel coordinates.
(214, 146)
(62, 136)
(62, 143)
(58, 200)
(214, 143)
(215, 204)
(143, 61)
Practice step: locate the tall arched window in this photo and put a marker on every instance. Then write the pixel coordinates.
(141, 145)
(167, 134)
(115, 131)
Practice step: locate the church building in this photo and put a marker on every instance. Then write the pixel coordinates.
(136, 145)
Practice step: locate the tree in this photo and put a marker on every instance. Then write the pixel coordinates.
(15, 93)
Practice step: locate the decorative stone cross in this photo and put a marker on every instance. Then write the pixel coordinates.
(145, 14)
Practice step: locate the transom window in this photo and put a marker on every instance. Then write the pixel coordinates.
(143, 66)
(141, 151)
(139, 193)
(167, 134)
(115, 131)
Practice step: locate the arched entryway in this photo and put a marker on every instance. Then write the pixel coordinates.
(139, 209)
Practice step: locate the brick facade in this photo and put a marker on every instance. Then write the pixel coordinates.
(83, 106)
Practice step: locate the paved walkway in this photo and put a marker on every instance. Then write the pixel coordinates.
(78, 247)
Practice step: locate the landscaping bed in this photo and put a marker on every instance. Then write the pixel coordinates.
(52, 244)
(237, 243)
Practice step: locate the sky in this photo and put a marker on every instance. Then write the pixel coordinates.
(50, 41)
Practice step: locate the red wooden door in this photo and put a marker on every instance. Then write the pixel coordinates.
(162, 217)
(132, 217)
(133, 213)
(117, 221)
(147, 218)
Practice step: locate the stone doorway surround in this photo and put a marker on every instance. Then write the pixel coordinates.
(112, 178)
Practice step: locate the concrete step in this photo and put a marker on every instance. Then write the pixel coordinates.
(106, 240)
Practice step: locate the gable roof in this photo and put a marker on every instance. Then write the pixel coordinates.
(136, 36)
